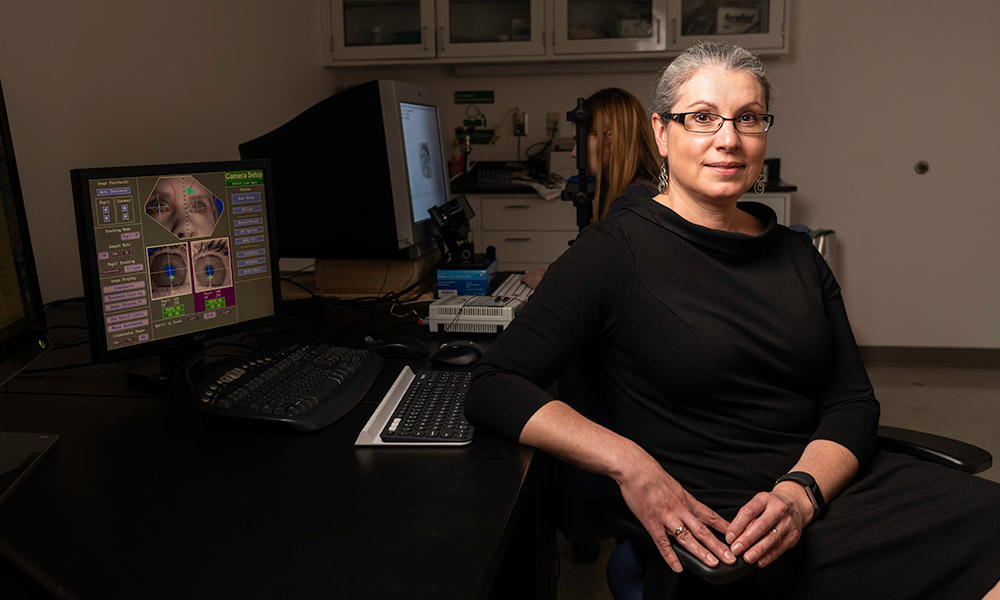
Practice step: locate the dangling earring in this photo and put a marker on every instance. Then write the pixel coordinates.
(759, 185)
(662, 185)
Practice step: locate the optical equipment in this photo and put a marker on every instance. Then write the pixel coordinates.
(580, 188)
(452, 221)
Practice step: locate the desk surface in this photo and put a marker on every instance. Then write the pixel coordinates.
(145, 497)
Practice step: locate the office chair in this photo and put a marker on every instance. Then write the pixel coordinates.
(637, 571)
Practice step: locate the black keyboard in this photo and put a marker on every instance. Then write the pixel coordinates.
(432, 410)
(303, 386)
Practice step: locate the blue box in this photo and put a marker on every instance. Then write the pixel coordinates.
(473, 279)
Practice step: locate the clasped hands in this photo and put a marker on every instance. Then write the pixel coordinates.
(763, 529)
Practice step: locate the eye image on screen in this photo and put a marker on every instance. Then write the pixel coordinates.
(425, 161)
(210, 261)
(169, 274)
(184, 207)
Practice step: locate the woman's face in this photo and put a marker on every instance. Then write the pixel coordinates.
(592, 151)
(721, 165)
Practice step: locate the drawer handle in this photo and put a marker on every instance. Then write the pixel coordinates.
(517, 206)
(517, 239)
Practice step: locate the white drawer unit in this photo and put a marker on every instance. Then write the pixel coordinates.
(529, 213)
(780, 203)
(526, 230)
(522, 250)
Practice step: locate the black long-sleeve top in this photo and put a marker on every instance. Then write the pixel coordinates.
(721, 354)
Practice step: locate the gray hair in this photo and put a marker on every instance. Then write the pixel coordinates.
(706, 54)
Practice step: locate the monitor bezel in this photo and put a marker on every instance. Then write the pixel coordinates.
(22, 347)
(100, 352)
(420, 230)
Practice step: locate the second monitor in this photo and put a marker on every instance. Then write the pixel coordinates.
(355, 175)
(173, 254)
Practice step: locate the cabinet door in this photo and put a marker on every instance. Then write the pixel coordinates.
(381, 29)
(600, 26)
(490, 28)
(755, 24)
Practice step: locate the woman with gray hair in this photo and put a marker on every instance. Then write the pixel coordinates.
(738, 400)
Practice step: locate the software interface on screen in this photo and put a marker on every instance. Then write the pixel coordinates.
(424, 158)
(182, 253)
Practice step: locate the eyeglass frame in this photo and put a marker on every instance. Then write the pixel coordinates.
(679, 117)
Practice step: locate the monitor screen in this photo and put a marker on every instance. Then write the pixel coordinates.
(174, 253)
(424, 164)
(355, 174)
(22, 318)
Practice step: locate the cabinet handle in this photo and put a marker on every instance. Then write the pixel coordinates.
(517, 239)
(425, 38)
(441, 38)
(673, 26)
(658, 25)
(517, 206)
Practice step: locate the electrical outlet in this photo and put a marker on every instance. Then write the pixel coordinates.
(520, 124)
(552, 124)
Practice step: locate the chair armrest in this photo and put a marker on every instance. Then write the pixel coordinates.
(935, 448)
(612, 511)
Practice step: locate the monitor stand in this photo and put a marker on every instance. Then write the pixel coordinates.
(164, 374)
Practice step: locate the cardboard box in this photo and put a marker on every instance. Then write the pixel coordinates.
(344, 277)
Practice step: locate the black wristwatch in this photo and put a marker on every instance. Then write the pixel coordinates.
(812, 490)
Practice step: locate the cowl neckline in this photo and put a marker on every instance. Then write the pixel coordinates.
(714, 240)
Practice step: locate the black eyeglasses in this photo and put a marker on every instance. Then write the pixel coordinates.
(706, 122)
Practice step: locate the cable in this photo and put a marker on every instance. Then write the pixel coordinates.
(299, 285)
(56, 303)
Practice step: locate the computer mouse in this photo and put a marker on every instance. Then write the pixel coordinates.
(457, 353)
(400, 347)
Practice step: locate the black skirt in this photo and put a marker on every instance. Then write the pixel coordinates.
(904, 529)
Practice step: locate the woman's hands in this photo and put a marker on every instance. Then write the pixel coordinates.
(532, 277)
(667, 510)
(771, 523)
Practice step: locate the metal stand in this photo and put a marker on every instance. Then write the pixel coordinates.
(580, 188)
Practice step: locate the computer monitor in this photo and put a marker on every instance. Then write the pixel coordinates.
(355, 174)
(174, 254)
(22, 316)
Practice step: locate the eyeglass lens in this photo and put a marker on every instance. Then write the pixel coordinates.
(708, 122)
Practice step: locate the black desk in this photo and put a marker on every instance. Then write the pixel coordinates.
(143, 497)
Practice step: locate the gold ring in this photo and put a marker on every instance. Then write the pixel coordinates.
(679, 531)
(778, 533)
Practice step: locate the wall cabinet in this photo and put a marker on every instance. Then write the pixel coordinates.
(400, 31)
(602, 26)
(375, 30)
(757, 24)
(481, 28)
(395, 32)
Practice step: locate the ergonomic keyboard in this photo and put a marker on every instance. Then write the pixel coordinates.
(513, 287)
(302, 386)
(422, 409)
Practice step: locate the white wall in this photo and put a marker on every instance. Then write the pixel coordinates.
(863, 95)
(120, 82)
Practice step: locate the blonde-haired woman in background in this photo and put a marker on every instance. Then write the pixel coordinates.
(621, 153)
